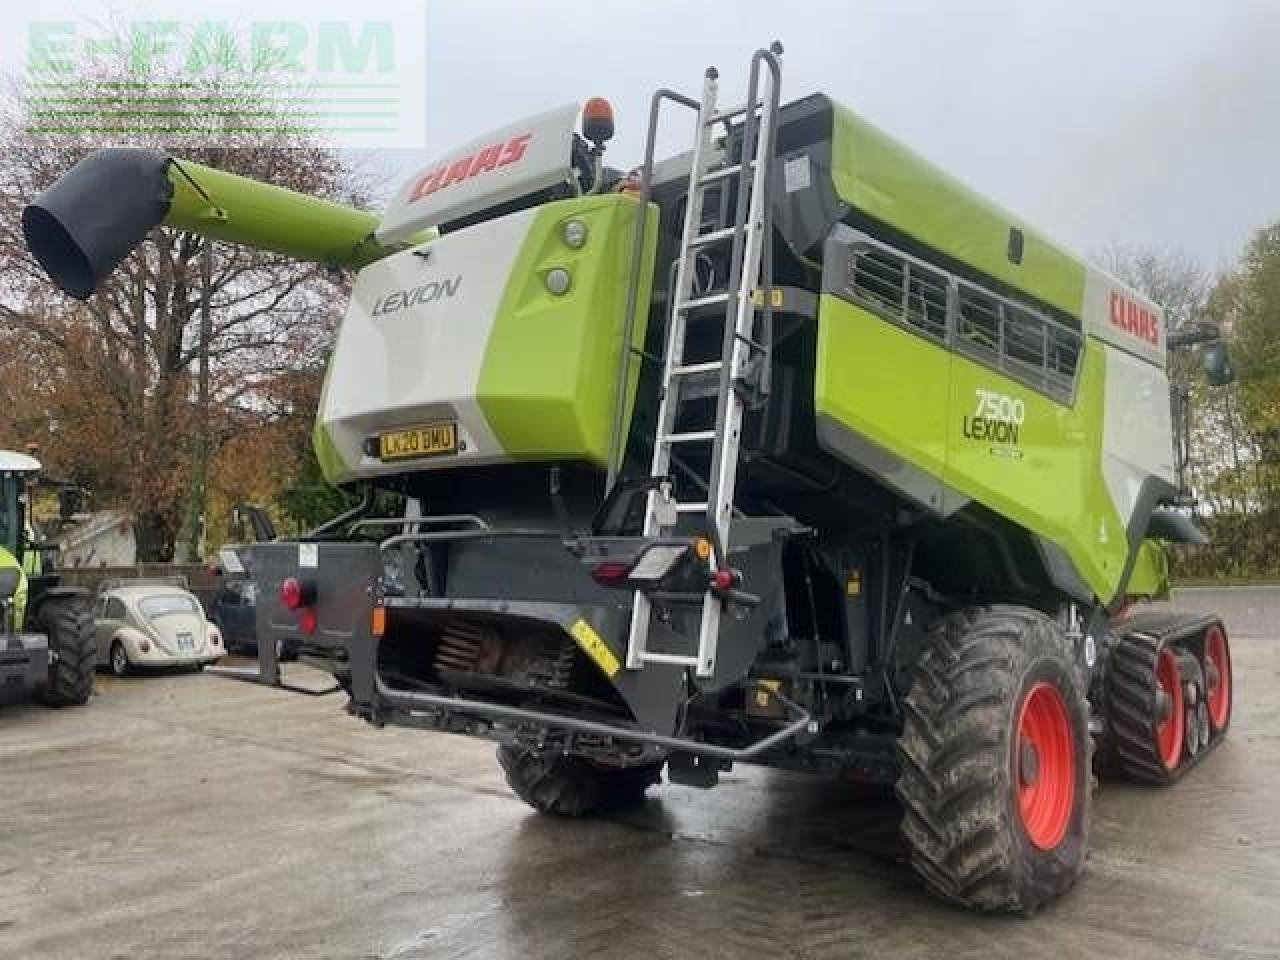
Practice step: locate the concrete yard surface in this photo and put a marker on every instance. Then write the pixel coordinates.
(194, 816)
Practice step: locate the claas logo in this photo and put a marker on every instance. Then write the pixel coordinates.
(1135, 319)
(493, 157)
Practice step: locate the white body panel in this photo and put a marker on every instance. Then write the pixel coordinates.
(1137, 435)
(516, 160)
(1122, 317)
(402, 364)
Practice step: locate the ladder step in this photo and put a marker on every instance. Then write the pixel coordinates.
(723, 172)
(713, 236)
(677, 658)
(690, 369)
(691, 507)
(722, 115)
(692, 436)
(710, 300)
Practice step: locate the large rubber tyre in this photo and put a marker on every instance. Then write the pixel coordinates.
(568, 786)
(995, 777)
(68, 624)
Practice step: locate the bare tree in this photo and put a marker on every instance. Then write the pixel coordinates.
(114, 402)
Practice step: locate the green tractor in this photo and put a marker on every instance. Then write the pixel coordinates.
(47, 642)
(788, 450)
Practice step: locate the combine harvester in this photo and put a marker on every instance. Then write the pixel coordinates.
(787, 450)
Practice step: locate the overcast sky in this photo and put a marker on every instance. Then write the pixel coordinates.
(1099, 121)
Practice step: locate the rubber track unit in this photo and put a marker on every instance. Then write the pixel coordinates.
(961, 819)
(569, 786)
(68, 623)
(1131, 695)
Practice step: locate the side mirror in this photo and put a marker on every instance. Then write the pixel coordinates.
(10, 577)
(1217, 364)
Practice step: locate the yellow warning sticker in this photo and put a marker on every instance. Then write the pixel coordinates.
(853, 586)
(775, 298)
(763, 696)
(595, 648)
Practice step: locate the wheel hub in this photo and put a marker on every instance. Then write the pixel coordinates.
(1028, 764)
(1045, 756)
(1164, 707)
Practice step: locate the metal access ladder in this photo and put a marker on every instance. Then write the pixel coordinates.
(748, 236)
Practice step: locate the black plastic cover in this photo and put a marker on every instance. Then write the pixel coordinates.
(83, 226)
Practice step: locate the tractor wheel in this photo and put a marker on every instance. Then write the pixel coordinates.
(995, 775)
(1147, 709)
(569, 786)
(68, 624)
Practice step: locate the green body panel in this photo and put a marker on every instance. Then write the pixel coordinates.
(1150, 576)
(267, 217)
(548, 382)
(9, 562)
(886, 181)
(912, 397)
(332, 465)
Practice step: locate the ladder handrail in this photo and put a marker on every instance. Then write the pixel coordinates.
(755, 195)
(616, 439)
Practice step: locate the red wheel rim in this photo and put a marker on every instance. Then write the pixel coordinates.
(1045, 766)
(1169, 733)
(1219, 677)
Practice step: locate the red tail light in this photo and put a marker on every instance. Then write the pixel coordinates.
(291, 593)
(611, 573)
(725, 579)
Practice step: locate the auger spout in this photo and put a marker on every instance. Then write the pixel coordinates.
(83, 226)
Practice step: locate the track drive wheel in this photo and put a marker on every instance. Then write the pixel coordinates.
(1218, 678)
(1147, 709)
(570, 786)
(68, 624)
(995, 774)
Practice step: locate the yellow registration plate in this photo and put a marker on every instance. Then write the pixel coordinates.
(425, 441)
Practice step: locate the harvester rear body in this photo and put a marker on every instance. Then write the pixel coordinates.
(788, 449)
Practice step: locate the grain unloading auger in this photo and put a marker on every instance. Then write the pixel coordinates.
(788, 449)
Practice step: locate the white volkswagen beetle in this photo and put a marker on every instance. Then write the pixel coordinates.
(153, 624)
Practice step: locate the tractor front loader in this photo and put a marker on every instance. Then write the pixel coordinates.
(788, 449)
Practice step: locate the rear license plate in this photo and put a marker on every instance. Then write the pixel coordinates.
(429, 440)
(186, 641)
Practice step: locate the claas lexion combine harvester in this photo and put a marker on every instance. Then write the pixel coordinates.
(788, 449)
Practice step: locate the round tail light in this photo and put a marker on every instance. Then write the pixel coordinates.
(291, 593)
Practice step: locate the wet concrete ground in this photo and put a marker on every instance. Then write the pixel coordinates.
(192, 816)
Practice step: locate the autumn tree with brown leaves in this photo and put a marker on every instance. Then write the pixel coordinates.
(105, 387)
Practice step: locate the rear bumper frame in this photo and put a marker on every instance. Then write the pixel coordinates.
(354, 571)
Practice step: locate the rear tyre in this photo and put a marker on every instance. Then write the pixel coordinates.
(1147, 709)
(994, 761)
(68, 624)
(568, 786)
